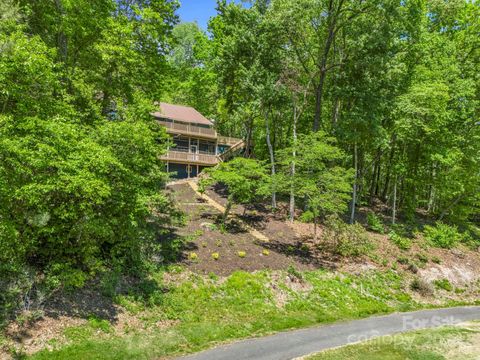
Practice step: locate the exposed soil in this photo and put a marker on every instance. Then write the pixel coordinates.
(205, 237)
(292, 244)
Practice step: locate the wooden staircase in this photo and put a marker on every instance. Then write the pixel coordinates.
(234, 149)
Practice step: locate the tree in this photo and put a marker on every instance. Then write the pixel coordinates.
(245, 179)
(320, 179)
(191, 79)
(394, 82)
(81, 181)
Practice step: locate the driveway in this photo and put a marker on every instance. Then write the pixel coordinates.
(293, 344)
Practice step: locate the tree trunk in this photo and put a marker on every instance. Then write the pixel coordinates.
(394, 205)
(336, 111)
(390, 164)
(323, 69)
(376, 171)
(354, 195)
(248, 145)
(61, 37)
(318, 101)
(292, 167)
(377, 185)
(431, 194)
(272, 159)
(228, 207)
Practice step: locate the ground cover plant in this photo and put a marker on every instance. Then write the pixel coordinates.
(205, 310)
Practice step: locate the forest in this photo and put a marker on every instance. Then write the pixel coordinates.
(341, 104)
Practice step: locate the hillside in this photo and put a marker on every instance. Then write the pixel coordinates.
(284, 282)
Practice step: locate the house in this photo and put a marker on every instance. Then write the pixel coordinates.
(196, 143)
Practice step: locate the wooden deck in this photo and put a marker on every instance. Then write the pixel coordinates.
(226, 140)
(188, 129)
(190, 158)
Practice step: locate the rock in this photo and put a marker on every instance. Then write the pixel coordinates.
(458, 253)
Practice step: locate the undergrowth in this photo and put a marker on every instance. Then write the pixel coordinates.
(207, 310)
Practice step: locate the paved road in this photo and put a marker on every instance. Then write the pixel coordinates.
(292, 344)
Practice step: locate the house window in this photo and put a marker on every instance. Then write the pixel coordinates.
(207, 147)
(181, 144)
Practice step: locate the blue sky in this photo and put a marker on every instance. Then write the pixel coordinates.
(198, 10)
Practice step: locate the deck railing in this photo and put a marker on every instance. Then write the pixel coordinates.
(226, 140)
(189, 129)
(181, 156)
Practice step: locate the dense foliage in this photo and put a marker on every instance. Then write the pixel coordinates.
(394, 82)
(80, 177)
(347, 102)
(245, 179)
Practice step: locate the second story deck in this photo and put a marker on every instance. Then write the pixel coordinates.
(195, 140)
(177, 128)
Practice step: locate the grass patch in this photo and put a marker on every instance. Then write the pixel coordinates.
(429, 344)
(86, 332)
(206, 311)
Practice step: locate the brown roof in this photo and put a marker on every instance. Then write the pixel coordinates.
(182, 113)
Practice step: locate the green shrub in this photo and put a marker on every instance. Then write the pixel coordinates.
(436, 260)
(402, 242)
(400, 229)
(422, 258)
(81, 197)
(172, 250)
(442, 235)
(212, 276)
(215, 256)
(345, 239)
(242, 254)
(471, 239)
(193, 256)
(294, 272)
(265, 252)
(443, 284)
(306, 217)
(290, 249)
(375, 223)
